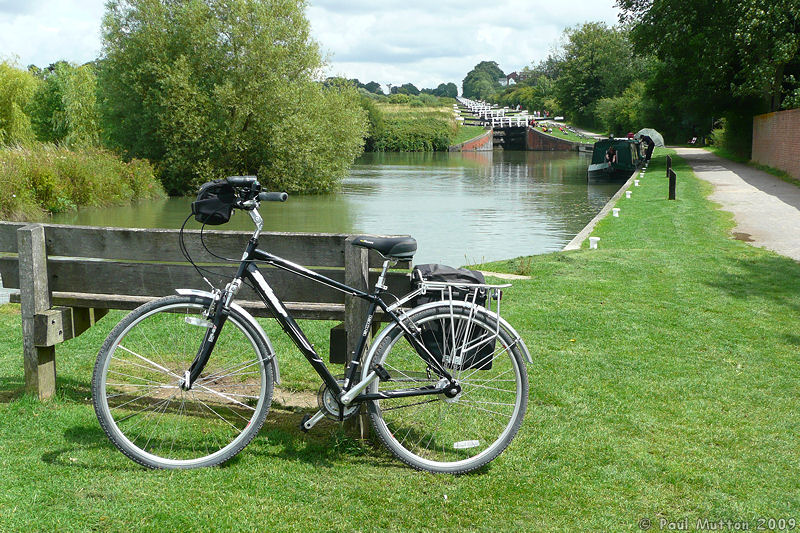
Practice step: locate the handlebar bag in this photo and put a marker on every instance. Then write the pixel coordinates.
(480, 356)
(214, 203)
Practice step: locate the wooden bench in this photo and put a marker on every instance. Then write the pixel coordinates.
(68, 277)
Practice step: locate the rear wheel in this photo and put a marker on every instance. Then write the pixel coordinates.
(137, 392)
(440, 433)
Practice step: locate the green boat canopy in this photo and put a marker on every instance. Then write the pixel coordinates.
(653, 134)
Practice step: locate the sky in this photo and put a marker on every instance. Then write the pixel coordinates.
(423, 42)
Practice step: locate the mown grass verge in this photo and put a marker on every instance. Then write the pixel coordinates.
(43, 178)
(555, 130)
(665, 385)
(466, 133)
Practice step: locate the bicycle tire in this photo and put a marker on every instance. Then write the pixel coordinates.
(440, 434)
(136, 386)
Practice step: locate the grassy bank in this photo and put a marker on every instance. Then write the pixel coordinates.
(665, 384)
(45, 178)
(466, 133)
(562, 131)
(408, 128)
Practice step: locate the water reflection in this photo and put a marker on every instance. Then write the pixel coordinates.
(461, 208)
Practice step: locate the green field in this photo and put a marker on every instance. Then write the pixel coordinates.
(665, 385)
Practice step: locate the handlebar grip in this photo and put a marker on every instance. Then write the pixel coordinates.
(241, 181)
(273, 197)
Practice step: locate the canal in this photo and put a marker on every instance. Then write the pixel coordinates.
(462, 207)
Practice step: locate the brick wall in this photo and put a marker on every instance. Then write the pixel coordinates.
(478, 144)
(776, 140)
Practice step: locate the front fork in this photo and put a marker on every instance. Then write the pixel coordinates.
(216, 315)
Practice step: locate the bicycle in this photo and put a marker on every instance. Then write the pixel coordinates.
(186, 380)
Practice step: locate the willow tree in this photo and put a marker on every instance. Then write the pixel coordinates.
(208, 88)
(17, 88)
(64, 108)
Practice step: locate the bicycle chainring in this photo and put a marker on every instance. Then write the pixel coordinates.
(327, 402)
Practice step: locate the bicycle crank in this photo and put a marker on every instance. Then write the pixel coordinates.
(329, 404)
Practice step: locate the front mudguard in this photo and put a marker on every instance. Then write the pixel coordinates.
(252, 321)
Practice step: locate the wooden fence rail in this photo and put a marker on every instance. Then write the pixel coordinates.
(67, 277)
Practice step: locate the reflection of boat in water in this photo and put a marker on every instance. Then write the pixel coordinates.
(629, 158)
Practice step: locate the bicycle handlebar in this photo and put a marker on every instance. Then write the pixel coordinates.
(272, 197)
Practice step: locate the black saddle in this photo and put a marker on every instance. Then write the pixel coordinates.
(394, 247)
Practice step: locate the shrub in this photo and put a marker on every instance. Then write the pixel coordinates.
(43, 178)
(416, 134)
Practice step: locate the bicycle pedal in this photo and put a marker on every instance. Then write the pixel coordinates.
(383, 374)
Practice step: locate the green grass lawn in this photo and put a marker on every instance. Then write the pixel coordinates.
(664, 385)
(568, 135)
(465, 133)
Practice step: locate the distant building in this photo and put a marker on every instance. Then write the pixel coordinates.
(510, 79)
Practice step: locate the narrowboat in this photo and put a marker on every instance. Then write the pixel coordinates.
(629, 157)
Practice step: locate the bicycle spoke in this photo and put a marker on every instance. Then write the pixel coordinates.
(143, 358)
(464, 432)
(146, 412)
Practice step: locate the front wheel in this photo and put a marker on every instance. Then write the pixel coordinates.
(442, 432)
(137, 393)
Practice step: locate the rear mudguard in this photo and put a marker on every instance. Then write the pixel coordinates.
(252, 321)
(457, 303)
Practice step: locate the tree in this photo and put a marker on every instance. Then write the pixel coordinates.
(447, 90)
(742, 51)
(406, 88)
(64, 107)
(374, 87)
(482, 81)
(597, 62)
(208, 88)
(17, 88)
(736, 63)
(444, 90)
(535, 95)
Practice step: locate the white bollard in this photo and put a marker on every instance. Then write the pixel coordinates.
(615, 211)
(627, 194)
(635, 183)
(593, 242)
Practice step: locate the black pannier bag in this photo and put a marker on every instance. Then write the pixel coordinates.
(480, 356)
(214, 203)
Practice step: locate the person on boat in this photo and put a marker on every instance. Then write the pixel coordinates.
(650, 146)
(611, 155)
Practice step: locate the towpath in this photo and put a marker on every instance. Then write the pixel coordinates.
(765, 208)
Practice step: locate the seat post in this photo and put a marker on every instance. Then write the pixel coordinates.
(379, 285)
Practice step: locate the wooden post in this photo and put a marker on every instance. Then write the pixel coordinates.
(39, 361)
(356, 275)
(672, 183)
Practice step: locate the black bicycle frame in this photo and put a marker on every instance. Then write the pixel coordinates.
(248, 270)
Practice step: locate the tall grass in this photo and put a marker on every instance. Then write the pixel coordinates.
(44, 178)
(415, 129)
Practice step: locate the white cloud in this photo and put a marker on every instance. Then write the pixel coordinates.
(389, 41)
(44, 31)
(427, 43)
